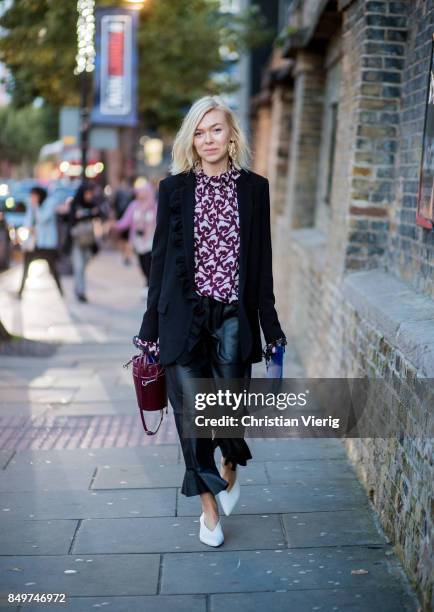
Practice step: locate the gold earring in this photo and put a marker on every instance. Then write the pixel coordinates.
(232, 149)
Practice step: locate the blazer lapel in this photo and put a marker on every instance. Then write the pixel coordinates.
(245, 201)
(188, 205)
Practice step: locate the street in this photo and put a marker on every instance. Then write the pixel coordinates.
(91, 507)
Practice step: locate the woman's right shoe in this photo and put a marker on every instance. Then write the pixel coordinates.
(211, 537)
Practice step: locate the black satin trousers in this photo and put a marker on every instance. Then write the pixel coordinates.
(215, 355)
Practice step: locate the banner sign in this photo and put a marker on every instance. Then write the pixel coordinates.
(116, 62)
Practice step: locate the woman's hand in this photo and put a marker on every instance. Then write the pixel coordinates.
(271, 347)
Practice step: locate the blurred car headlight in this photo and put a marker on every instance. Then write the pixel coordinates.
(12, 233)
(23, 233)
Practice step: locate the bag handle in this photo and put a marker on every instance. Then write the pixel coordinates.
(148, 431)
(144, 356)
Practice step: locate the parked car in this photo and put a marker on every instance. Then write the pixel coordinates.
(13, 207)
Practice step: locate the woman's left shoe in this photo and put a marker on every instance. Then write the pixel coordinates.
(228, 500)
(211, 537)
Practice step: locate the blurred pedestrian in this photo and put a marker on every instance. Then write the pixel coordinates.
(140, 219)
(124, 194)
(84, 209)
(42, 242)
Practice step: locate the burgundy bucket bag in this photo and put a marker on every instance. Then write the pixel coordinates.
(150, 384)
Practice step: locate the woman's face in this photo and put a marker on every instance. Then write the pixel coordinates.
(212, 136)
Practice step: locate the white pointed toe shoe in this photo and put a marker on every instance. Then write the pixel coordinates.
(229, 500)
(211, 537)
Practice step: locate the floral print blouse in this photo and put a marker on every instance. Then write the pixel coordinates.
(216, 235)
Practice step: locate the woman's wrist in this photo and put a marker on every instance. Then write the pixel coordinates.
(147, 346)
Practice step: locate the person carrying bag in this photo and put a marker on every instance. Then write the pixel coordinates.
(210, 291)
(84, 209)
(42, 241)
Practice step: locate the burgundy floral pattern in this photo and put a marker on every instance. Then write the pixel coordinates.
(216, 235)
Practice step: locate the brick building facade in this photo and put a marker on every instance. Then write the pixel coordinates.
(338, 129)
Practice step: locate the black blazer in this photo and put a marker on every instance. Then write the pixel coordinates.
(172, 301)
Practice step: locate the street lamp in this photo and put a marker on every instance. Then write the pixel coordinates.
(137, 4)
(85, 63)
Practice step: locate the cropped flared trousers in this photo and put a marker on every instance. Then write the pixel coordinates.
(216, 355)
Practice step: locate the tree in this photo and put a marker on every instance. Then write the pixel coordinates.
(23, 131)
(180, 48)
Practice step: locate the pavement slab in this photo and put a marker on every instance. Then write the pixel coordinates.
(264, 570)
(37, 537)
(123, 407)
(148, 603)
(5, 457)
(357, 599)
(335, 528)
(93, 575)
(95, 457)
(39, 479)
(175, 534)
(308, 471)
(11, 395)
(51, 378)
(296, 449)
(76, 504)
(162, 475)
(104, 392)
(282, 498)
(26, 410)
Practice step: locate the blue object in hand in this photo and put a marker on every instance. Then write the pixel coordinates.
(274, 364)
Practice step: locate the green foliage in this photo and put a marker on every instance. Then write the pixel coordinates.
(179, 51)
(286, 33)
(38, 46)
(23, 131)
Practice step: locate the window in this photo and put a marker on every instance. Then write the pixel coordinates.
(329, 126)
(332, 148)
(425, 196)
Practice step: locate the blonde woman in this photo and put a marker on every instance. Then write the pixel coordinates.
(211, 287)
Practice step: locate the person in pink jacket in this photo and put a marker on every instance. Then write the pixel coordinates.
(140, 219)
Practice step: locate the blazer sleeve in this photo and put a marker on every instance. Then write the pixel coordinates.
(267, 312)
(149, 327)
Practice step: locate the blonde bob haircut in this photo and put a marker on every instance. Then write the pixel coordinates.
(184, 155)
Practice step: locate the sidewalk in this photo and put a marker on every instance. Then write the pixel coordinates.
(91, 507)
